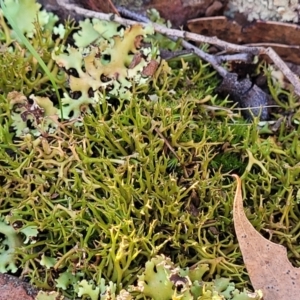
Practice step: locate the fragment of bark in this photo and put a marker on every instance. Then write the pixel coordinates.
(12, 287)
(284, 38)
(177, 11)
(105, 6)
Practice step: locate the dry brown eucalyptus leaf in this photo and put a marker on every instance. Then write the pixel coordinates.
(267, 264)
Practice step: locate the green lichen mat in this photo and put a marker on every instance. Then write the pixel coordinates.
(115, 169)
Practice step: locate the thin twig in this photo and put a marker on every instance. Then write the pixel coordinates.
(245, 57)
(281, 65)
(228, 47)
(212, 59)
(266, 45)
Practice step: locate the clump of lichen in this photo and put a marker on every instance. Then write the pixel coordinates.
(162, 280)
(106, 60)
(280, 10)
(106, 197)
(99, 202)
(20, 70)
(143, 175)
(10, 240)
(109, 61)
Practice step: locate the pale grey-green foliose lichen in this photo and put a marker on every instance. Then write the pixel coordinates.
(277, 10)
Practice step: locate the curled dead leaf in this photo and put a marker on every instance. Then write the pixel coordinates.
(267, 264)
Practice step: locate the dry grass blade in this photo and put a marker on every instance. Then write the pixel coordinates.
(266, 262)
